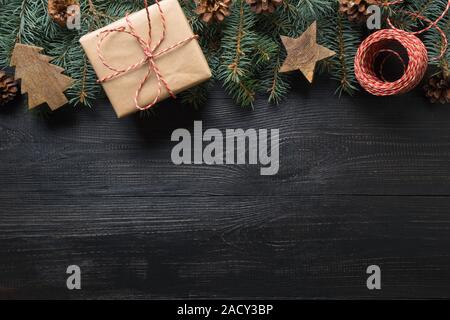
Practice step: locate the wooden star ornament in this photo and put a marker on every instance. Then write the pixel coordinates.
(303, 53)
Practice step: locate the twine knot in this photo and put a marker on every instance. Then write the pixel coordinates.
(148, 52)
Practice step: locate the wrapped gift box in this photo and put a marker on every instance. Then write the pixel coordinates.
(182, 67)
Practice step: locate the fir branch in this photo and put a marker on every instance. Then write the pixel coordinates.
(277, 84)
(197, 96)
(19, 20)
(315, 9)
(434, 41)
(237, 47)
(244, 52)
(343, 38)
(98, 14)
(234, 65)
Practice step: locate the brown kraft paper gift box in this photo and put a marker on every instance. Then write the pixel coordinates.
(183, 67)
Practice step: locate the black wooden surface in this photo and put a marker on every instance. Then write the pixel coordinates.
(362, 181)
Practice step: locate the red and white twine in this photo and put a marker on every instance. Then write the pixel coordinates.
(150, 55)
(380, 42)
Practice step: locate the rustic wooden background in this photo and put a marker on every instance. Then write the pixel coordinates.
(362, 181)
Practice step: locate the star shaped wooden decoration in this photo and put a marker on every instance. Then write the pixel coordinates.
(304, 52)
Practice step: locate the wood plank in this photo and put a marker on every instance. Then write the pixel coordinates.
(362, 181)
(178, 247)
(361, 145)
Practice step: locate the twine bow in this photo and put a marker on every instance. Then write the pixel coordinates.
(150, 53)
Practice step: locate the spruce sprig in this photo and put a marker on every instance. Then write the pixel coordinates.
(244, 52)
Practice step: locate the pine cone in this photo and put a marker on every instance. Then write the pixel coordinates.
(263, 6)
(57, 9)
(8, 88)
(438, 89)
(210, 10)
(356, 10)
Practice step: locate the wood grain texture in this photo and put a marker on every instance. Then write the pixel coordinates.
(362, 181)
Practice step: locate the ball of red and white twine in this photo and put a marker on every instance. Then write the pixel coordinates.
(381, 42)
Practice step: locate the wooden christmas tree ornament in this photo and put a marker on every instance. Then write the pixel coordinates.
(44, 82)
(303, 53)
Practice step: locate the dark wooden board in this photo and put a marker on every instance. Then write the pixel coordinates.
(362, 181)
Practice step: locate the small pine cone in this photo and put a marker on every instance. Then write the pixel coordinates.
(8, 88)
(213, 10)
(356, 10)
(57, 9)
(438, 89)
(263, 6)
